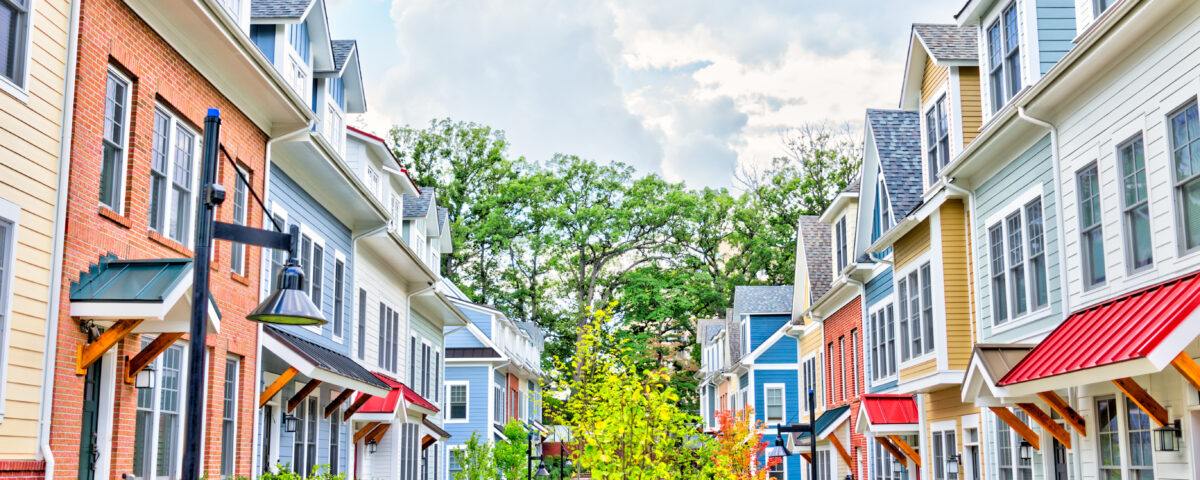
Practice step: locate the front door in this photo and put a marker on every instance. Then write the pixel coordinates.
(1060, 461)
(89, 448)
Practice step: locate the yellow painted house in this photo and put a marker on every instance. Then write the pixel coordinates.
(33, 98)
(930, 251)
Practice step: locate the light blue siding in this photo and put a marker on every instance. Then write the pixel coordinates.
(477, 403)
(263, 37)
(1056, 29)
(791, 398)
(462, 339)
(1031, 168)
(885, 387)
(880, 287)
(763, 326)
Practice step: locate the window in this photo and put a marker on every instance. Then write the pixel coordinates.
(375, 185)
(999, 292)
(335, 439)
(810, 382)
(397, 209)
(937, 139)
(773, 397)
(361, 335)
(425, 370)
(1141, 452)
(777, 471)
(299, 77)
(944, 448)
(842, 365)
(1037, 253)
(241, 206)
(412, 362)
(830, 388)
(274, 261)
(389, 338)
(1185, 146)
(317, 280)
(883, 463)
(116, 125)
(339, 296)
(1109, 441)
(825, 459)
(1099, 6)
(437, 375)
(233, 7)
(1004, 57)
(14, 29)
(1018, 263)
(228, 417)
(454, 467)
(1008, 444)
(883, 343)
(916, 313)
(498, 407)
(157, 429)
(839, 231)
(304, 441)
(1135, 206)
(745, 330)
(172, 177)
(8, 245)
(853, 362)
(1090, 231)
(458, 401)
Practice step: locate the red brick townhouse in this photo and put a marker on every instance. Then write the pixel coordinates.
(147, 72)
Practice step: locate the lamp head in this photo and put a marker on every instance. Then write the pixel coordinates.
(289, 304)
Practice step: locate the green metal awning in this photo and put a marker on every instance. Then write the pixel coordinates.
(827, 422)
(158, 290)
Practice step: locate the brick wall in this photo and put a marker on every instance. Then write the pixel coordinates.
(22, 469)
(112, 35)
(846, 323)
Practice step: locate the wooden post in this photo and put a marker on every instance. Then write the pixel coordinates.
(358, 403)
(276, 386)
(143, 358)
(887, 445)
(1188, 368)
(1069, 414)
(86, 355)
(906, 448)
(1143, 400)
(300, 394)
(337, 402)
(1018, 426)
(1047, 423)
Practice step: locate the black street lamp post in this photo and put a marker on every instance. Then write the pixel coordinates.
(541, 471)
(289, 304)
(780, 449)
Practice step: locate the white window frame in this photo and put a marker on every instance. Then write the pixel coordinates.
(881, 309)
(396, 208)
(1018, 207)
(937, 155)
(339, 258)
(315, 239)
(174, 126)
(268, 275)
(1128, 209)
(19, 87)
(237, 381)
(1014, 443)
(1008, 91)
(767, 388)
(841, 239)
(943, 435)
(450, 404)
(297, 461)
(1178, 184)
(903, 338)
(1084, 230)
(152, 453)
(10, 214)
(242, 199)
(123, 167)
(744, 329)
(425, 370)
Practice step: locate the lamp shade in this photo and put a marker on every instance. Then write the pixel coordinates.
(541, 471)
(145, 377)
(289, 423)
(289, 304)
(1168, 437)
(779, 449)
(952, 464)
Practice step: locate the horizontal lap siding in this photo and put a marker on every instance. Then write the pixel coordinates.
(1056, 30)
(791, 393)
(382, 286)
(919, 370)
(763, 326)
(478, 407)
(972, 103)
(957, 283)
(781, 351)
(912, 245)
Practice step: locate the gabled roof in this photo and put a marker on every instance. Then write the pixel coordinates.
(761, 299)
(387, 404)
(827, 421)
(947, 42)
(279, 9)
(443, 215)
(817, 253)
(712, 330)
(341, 52)
(417, 207)
(897, 135)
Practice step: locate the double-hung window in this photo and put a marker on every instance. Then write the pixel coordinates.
(839, 231)
(335, 440)
(1134, 204)
(425, 357)
(229, 418)
(916, 313)
(397, 208)
(1017, 247)
(745, 331)
(937, 138)
(1091, 232)
(389, 338)
(172, 177)
(1008, 451)
(810, 382)
(842, 377)
(14, 40)
(1004, 57)
(1185, 149)
(944, 448)
(458, 401)
(241, 208)
(115, 140)
(304, 441)
(361, 335)
(883, 343)
(339, 296)
(1124, 436)
(883, 464)
(773, 394)
(157, 428)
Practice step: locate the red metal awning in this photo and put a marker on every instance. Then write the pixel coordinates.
(883, 413)
(1144, 325)
(388, 404)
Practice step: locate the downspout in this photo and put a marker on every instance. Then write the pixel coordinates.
(60, 231)
(1058, 185)
(258, 354)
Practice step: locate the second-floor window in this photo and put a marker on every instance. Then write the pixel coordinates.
(339, 297)
(883, 343)
(233, 7)
(1135, 204)
(1017, 247)
(1185, 145)
(773, 399)
(745, 331)
(839, 234)
(916, 313)
(389, 338)
(1004, 57)
(335, 129)
(1099, 6)
(15, 31)
(396, 206)
(937, 138)
(883, 214)
(114, 139)
(361, 335)
(1091, 232)
(241, 208)
(172, 177)
(458, 401)
(312, 258)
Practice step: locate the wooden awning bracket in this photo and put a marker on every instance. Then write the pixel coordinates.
(337, 402)
(276, 386)
(358, 403)
(1073, 418)
(1143, 400)
(891, 448)
(301, 394)
(837, 444)
(378, 432)
(1188, 368)
(143, 358)
(1042, 418)
(1010, 418)
(362, 432)
(906, 448)
(86, 355)
(807, 456)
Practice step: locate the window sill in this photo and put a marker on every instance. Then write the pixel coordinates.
(121, 220)
(171, 244)
(242, 279)
(925, 357)
(16, 91)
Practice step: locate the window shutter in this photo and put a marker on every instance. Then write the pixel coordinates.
(381, 356)
(437, 375)
(412, 362)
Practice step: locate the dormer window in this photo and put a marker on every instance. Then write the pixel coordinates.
(374, 183)
(883, 211)
(937, 139)
(1004, 57)
(839, 233)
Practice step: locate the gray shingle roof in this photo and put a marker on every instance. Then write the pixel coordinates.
(818, 252)
(279, 8)
(948, 42)
(443, 215)
(415, 207)
(897, 135)
(761, 299)
(325, 358)
(341, 52)
(478, 352)
(854, 186)
(735, 336)
(712, 329)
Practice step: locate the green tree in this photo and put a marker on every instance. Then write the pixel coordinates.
(512, 453)
(476, 459)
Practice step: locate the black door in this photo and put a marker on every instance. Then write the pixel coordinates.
(88, 444)
(1060, 461)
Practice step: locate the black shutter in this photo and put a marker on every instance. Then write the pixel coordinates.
(381, 360)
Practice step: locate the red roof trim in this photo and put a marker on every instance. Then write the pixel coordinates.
(884, 409)
(390, 152)
(1124, 328)
(388, 404)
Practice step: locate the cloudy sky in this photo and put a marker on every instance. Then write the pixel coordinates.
(687, 89)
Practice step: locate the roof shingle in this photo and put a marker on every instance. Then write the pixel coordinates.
(415, 207)
(948, 42)
(260, 9)
(817, 251)
(897, 135)
(341, 52)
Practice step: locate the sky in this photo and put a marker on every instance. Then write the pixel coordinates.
(691, 90)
